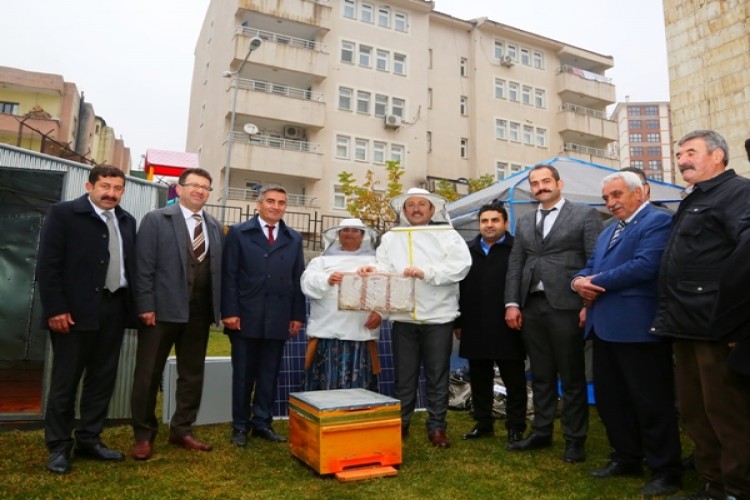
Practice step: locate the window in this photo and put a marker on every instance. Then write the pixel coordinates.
(381, 104)
(515, 132)
(541, 137)
(399, 64)
(345, 98)
(363, 102)
(511, 51)
(499, 50)
(540, 98)
(342, 147)
(463, 67)
(501, 170)
(654, 151)
(349, 9)
(653, 137)
(399, 21)
(339, 199)
(365, 13)
(397, 107)
(654, 164)
(526, 57)
(538, 60)
(652, 124)
(636, 151)
(501, 129)
(652, 110)
(499, 88)
(515, 167)
(384, 17)
(513, 91)
(528, 134)
(634, 124)
(526, 95)
(365, 54)
(383, 60)
(464, 148)
(10, 108)
(657, 176)
(637, 164)
(634, 111)
(378, 152)
(635, 137)
(397, 154)
(360, 149)
(347, 52)
(464, 105)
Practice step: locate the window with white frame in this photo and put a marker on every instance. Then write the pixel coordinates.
(397, 154)
(512, 51)
(526, 57)
(637, 164)
(342, 147)
(501, 170)
(384, 17)
(537, 60)
(526, 94)
(381, 104)
(399, 64)
(653, 151)
(339, 198)
(634, 124)
(652, 123)
(634, 110)
(636, 151)
(350, 9)
(382, 60)
(365, 13)
(398, 106)
(499, 50)
(463, 105)
(345, 98)
(365, 55)
(501, 129)
(514, 133)
(540, 98)
(651, 110)
(378, 152)
(347, 52)
(654, 164)
(515, 168)
(463, 67)
(653, 137)
(464, 148)
(361, 147)
(541, 137)
(363, 101)
(499, 88)
(513, 91)
(399, 21)
(528, 135)
(635, 137)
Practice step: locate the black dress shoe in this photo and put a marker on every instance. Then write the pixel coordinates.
(268, 434)
(98, 451)
(534, 441)
(662, 485)
(615, 468)
(238, 438)
(59, 462)
(514, 436)
(575, 451)
(478, 432)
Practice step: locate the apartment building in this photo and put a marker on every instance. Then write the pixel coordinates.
(295, 92)
(645, 138)
(42, 112)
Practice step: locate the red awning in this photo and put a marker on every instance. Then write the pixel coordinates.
(168, 163)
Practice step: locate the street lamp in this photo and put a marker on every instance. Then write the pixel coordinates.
(255, 43)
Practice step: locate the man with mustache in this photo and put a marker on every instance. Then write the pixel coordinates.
(707, 232)
(552, 244)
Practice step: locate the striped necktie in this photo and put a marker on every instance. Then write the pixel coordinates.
(616, 234)
(199, 239)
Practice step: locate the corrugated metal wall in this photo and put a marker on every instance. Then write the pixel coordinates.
(140, 198)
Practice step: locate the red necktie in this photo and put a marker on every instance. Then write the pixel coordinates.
(271, 239)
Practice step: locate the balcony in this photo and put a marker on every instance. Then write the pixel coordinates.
(310, 12)
(269, 154)
(282, 51)
(292, 199)
(584, 88)
(585, 124)
(280, 102)
(594, 155)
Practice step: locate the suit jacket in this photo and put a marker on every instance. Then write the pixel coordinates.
(261, 282)
(73, 259)
(161, 280)
(568, 245)
(629, 273)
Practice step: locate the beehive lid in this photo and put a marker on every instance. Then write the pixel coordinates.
(343, 399)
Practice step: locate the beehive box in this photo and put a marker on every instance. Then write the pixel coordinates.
(345, 429)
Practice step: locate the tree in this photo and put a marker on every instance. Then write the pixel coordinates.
(447, 189)
(369, 204)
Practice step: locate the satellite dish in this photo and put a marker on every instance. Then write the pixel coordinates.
(250, 129)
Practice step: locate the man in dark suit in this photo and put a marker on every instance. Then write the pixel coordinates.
(261, 305)
(178, 288)
(485, 338)
(85, 273)
(633, 370)
(552, 244)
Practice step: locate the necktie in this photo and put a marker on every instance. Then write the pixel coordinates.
(112, 281)
(540, 226)
(616, 234)
(199, 239)
(271, 239)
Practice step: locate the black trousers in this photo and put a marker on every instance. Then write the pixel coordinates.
(97, 353)
(482, 380)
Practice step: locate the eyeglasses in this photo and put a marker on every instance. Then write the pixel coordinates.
(195, 185)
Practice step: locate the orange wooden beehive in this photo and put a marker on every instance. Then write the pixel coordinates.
(346, 429)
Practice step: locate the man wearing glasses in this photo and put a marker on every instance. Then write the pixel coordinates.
(178, 286)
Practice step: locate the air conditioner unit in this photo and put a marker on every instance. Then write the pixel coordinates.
(508, 61)
(392, 121)
(292, 132)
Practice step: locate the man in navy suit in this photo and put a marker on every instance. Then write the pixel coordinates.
(261, 306)
(85, 273)
(633, 371)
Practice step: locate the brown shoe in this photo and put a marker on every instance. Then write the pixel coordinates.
(142, 450)
(438, 439)
(190, 443)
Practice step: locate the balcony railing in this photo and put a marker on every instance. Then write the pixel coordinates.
(279, 89)
(292, 199)
(268, 141)
(583, 111)
(270, 36)
(578, 148)
(588, 75)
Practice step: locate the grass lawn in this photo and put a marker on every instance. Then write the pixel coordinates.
(480, 469)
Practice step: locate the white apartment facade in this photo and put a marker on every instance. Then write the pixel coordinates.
(346, 85)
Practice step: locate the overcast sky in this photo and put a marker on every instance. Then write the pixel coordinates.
(134, 60)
